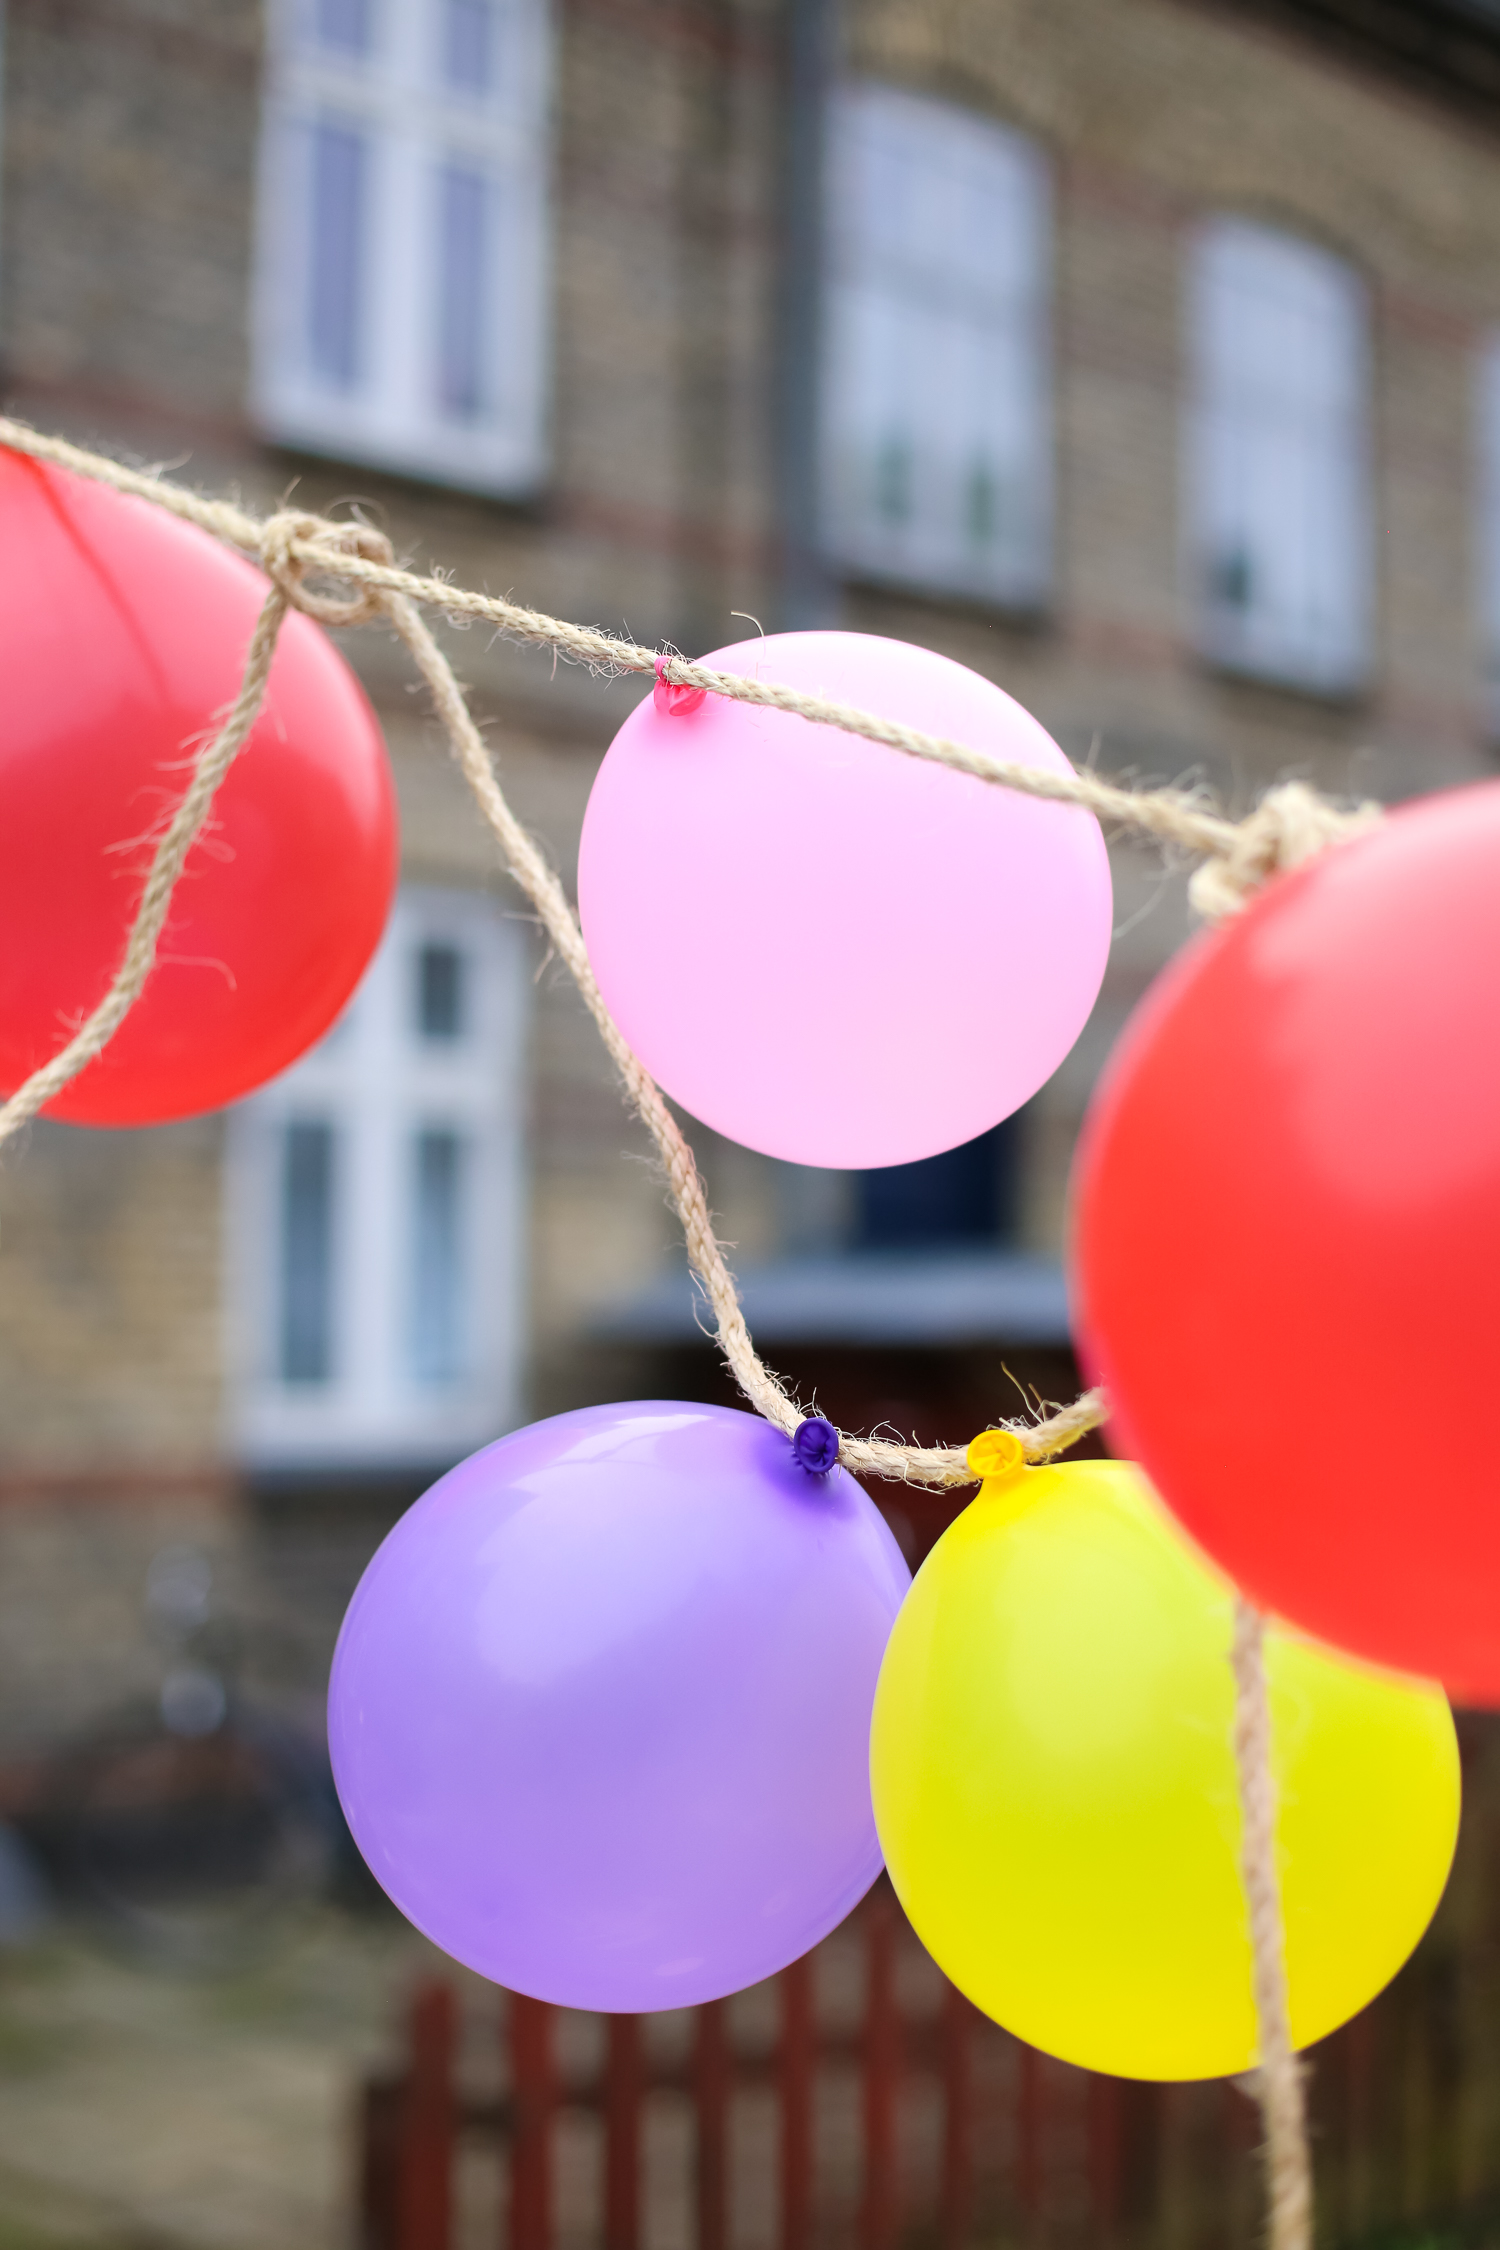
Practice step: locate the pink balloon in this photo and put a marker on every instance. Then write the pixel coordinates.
(828, 950)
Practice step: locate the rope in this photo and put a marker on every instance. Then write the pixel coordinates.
(763, 1389)
(1290, 825)
(292, 547)
(97, 1029)
(1285, 827)
(935, 1465)
(1279, 2077)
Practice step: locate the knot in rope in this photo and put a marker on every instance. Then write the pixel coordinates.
(1290, 824)
(286, 532)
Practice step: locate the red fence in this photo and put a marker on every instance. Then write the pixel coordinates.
(860, 2101)
(414, 2125)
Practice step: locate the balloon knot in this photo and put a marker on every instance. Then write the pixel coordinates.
(676, 700)
(996, 1453)
(815, 1445)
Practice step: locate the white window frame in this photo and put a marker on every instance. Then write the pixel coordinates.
(936, 349)
(379, 1083)
(1278, 516)
(411, 125)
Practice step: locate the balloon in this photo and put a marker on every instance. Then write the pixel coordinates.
(1288, 1242)
(826, 949)
(123, 634)
(1055, 1787)
(600, 1708)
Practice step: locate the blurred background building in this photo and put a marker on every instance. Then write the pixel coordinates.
(1142, 354)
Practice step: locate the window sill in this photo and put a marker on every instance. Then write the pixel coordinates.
(1346, 695)
(524, 488)
(938, 1296)
(1031, 612)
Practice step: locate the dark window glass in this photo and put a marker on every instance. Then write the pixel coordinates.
(335, 267)
(437, 1340)
(965, 1195)
(463, 254)
(440, 992)
(307, 1254)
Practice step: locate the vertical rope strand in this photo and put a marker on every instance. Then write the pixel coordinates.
(1279, 2078)
(537, 880)
(97, 1029)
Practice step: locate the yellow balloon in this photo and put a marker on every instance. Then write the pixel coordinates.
(1055, 1791)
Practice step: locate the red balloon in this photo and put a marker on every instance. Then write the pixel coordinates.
(1287, 1245)
(123, 634)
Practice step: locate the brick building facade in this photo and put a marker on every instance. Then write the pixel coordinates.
(672, 479)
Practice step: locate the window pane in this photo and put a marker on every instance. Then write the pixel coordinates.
(440, 992)
(343, 25)
(437, 1341)
(307, 1253)
(463, 228)
(935, 385)
(1279, 502)
(966, 1195)
(468, 45)
(339, 188)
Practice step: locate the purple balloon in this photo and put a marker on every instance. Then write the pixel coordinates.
(600, 1709)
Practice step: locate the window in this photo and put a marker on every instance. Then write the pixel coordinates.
(376, 1206)
(936, 440)
(1489, 524)
(402, 285)
(965, 1196)
(1278, 474)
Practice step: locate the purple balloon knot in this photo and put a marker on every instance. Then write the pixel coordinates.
(815, 1445)
(675, 701)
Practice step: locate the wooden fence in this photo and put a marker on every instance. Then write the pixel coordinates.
(860, 2103)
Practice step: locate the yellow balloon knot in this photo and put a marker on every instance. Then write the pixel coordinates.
(996, 1455)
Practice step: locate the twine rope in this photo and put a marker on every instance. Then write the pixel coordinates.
(1290, 824)
(1279, 2088)
(936, 1465)
(100, 1026)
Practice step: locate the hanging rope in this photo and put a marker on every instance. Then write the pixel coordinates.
(1290, 824)
(1279, 2077)
(98, 1028)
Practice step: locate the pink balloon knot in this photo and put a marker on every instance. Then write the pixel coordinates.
(674, 701)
